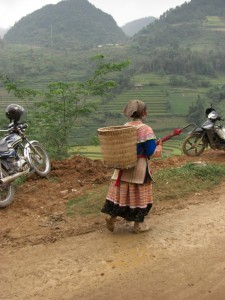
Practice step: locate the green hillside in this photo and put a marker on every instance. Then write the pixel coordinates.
(196, 24)
(70, 23)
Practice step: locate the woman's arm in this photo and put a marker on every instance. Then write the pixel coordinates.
(150, 148)
(147, 143)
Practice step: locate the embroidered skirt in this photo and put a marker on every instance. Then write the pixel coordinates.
(130, 201)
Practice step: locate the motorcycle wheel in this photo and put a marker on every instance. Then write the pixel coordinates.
(193, 145)
(6, 192)
(38, 159)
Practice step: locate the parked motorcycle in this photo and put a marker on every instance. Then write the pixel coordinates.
(209, 134)
(18, 155)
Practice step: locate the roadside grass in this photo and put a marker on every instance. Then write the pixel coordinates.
(19, 181)
(89, 203)
(181, 181)
(170, 183)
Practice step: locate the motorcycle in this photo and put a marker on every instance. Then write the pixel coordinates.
(18, 155)
(209, 134)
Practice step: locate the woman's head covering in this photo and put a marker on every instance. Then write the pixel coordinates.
(134, 106)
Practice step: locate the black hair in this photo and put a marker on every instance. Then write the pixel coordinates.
(138, 115)
(135, 115)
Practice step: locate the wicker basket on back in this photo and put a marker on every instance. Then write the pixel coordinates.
(118, 146)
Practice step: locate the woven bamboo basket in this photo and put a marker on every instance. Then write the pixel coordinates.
(118, 146)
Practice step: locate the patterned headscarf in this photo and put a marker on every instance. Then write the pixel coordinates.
(134, 106)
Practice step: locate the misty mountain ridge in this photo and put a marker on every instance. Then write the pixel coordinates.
(3, 31)
(131, 28)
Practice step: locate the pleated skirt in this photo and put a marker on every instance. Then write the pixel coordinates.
(129, 200)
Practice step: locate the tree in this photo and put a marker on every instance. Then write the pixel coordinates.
(12, 87)
(217, 94)
(196, 112)
(57, 112)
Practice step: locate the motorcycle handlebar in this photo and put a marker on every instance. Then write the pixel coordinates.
(190, 124)
(22, 126)
(12, 127)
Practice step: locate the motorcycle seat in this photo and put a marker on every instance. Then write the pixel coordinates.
(3, 146)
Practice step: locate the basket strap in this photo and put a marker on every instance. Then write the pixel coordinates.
(136, 126)
(117, 183)
(139, 126)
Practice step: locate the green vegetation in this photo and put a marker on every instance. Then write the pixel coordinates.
(170, 184)
(198, 24)
(63, 102)
(89, 203)
(170, 147)
(20, 181)
(168, 106)
(73, 24)
(175, 62)
(192, 177)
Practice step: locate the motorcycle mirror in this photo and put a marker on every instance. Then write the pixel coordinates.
(208, 111)
(11, 125)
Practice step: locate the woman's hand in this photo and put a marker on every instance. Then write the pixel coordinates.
(159, 142)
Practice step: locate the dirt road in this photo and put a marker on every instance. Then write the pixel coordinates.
(46, 255)
(182, 257)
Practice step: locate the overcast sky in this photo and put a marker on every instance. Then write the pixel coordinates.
(123, 11)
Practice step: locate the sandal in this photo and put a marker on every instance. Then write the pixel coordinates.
(110, 224)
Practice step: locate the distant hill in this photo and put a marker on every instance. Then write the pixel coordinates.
(198, 24)
(135, 26)
(3, 31)
(70, 23)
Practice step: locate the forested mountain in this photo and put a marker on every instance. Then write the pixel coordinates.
(198, 24)
(135, 26)
(70, 23)
(189, 39)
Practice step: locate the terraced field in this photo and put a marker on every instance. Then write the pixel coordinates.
(6, 99)
(167, 108)
(170, 147)
(154, 97)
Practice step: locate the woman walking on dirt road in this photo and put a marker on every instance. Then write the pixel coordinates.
(130, 191)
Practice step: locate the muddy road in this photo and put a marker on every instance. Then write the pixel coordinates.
(44, 257)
